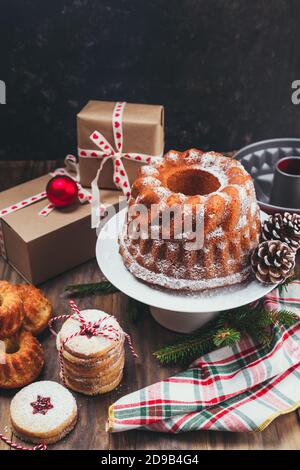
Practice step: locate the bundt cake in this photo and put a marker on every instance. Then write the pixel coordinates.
(24, 361)
(37, 309)
(210, 187)
(11, 310)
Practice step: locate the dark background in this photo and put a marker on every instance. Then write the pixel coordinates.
(222, 68)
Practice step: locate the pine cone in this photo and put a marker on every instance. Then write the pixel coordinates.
(273, 261)
(284, 227)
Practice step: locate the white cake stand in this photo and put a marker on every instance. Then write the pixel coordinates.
(178, 312)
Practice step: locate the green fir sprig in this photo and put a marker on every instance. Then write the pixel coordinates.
(83, 290)
(282, 288)
(136, 310)
(226, 330)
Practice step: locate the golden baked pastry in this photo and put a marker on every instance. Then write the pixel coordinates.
(37, 308)
(222, 192)
(92, 364)
(11, 310)
(43, 412)
(92, 387)
(24, 361)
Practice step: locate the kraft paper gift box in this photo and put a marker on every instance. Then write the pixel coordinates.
(143, 132)
(40, 248)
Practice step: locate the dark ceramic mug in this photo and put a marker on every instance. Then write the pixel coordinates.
(286, 183)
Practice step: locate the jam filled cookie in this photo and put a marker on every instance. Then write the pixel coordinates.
(44, 412)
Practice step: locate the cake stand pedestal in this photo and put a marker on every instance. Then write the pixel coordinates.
(180, 312)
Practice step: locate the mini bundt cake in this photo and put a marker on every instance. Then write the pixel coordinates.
(24, 360)
(37, 309)
(11, 310)
(207, 185)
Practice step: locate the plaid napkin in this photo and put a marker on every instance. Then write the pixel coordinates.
(239, 389)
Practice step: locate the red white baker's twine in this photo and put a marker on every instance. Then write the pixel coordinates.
(20, 447)
(97, 328)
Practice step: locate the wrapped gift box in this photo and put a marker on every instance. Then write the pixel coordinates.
(40, 248)
(143, 132)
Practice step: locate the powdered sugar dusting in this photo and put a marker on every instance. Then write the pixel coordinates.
(188, 270)
(253, 208)
(84, 345)
(151, 181)
(178, 282)
(148, 170)
(162, 192)
(63, 412)
(171, 156)
(217, 233)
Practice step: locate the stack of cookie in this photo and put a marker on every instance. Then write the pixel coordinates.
(91, 364)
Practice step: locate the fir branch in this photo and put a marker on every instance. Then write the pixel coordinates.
(284, 317)
(282, 288)
(226, 337)
(82, 290)
(136, 310)
(225, 330)
(192, 346)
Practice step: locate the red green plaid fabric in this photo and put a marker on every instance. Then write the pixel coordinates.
(239, 389)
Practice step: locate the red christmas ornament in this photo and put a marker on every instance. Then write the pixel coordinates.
(62, 191)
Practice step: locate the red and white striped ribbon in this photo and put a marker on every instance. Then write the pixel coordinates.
(107, 152)
(98, 328)
(20, 447)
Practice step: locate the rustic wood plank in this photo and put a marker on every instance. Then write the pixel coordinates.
(283, 433)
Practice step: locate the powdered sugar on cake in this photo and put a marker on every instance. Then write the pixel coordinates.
(228, 210)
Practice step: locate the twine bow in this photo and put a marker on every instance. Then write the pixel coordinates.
(19, 446)
(107, 152)
(98, 328)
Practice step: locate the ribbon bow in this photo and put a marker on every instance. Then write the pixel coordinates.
(98, 328)
(107, 152)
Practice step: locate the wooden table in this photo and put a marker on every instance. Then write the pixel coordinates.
(283, 433)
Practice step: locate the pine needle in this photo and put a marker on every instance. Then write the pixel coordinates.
(183, 351)
(226, 330)
(285, 317)
(82, 290)
(282, 288)
(136, 310)
(226, 337)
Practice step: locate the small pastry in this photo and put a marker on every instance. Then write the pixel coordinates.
(37, 309)
(11, 310)
(23, 361)
(43, 412)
